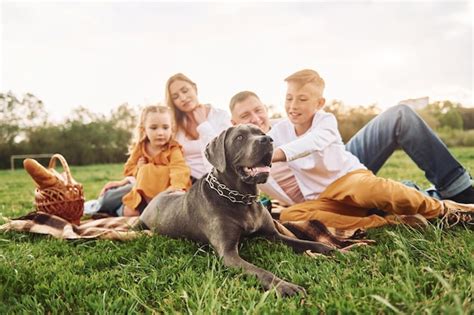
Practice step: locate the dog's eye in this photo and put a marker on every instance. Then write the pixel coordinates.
(239, 137)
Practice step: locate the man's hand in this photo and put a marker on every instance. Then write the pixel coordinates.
(278, 156)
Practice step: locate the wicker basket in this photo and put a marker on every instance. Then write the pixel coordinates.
(64, 199)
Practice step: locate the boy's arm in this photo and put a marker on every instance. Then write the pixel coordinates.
(278, 155)
(317, 139)
(180, 173)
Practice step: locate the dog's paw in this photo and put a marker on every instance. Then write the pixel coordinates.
(286, 289)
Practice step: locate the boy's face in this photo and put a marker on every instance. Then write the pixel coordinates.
(251, 111)
(302, 102)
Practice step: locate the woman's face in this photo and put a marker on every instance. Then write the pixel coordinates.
(183, 95)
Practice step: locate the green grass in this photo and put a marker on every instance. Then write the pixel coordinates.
(406, 271)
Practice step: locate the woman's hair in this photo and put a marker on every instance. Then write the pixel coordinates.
(177, 114)
(139, 135)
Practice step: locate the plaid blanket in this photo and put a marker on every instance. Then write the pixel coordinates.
(118, 228)
(114, 228)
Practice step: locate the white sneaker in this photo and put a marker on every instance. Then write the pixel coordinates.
(91, 206)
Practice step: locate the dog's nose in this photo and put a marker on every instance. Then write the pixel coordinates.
(266, 139)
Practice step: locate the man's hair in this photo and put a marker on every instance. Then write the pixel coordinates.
(306, 76)
(240, 97)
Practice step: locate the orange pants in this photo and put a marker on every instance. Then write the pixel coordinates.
(346, 202)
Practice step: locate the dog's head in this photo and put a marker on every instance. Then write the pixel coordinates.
(243, 150)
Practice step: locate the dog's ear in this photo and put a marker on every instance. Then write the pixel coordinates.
(215, 151)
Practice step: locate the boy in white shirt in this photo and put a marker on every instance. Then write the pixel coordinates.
(331, 179)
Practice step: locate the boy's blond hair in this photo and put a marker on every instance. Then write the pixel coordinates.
(306, 76)
(140, 134)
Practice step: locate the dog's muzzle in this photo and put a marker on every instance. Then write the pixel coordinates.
(259, 171)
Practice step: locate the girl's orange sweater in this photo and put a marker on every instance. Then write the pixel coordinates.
(166, 169)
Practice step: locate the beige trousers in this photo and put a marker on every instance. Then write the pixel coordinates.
(345, 203)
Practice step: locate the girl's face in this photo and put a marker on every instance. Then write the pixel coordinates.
(158, 129)
(183, 95)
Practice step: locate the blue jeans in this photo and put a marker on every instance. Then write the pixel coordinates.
(401, 127)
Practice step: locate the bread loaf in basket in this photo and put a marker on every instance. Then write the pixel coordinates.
(56, 193)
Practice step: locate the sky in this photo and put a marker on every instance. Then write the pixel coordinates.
(103, 54)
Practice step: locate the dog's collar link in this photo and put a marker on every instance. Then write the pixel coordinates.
(233, 195)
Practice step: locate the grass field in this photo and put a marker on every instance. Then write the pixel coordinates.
(406, 271)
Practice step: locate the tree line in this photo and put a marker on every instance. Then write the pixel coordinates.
(83, 138)
(90, 138)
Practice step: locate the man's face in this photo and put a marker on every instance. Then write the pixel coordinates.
(251, 111)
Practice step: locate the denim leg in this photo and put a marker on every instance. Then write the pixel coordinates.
(112, 199)
(401, 127)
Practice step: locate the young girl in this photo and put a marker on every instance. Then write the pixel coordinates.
(156, 162)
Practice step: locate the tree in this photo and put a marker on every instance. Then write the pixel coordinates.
(452, 119)
(17, 115)
(351, 119)
(83, 115)
(125, 117)
(467, 115)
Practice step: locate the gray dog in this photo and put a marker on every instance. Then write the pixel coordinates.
(223, 205)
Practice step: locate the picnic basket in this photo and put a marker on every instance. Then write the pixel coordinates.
(57, 194)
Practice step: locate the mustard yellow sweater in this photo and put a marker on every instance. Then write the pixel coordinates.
(166, 169)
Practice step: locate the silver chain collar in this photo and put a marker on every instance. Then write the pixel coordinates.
(224, 191)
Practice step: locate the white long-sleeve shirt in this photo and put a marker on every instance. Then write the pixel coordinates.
(317, 158)
(217, 121)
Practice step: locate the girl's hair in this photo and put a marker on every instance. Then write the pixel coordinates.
(178, 115)
(140, 134)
